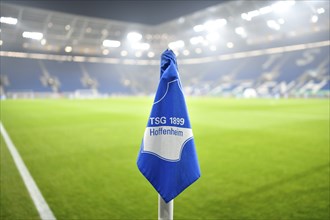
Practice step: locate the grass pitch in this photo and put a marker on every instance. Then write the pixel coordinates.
(260, 159)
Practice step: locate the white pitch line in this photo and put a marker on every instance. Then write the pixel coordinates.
(37, 198)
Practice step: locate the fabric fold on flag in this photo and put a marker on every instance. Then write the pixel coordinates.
(167, 156)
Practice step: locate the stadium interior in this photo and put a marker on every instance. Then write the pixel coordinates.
(78, 80)
(232, 49)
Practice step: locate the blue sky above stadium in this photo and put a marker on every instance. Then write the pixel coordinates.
(150, 12)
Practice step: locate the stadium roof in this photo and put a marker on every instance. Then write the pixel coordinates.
(151, 12)
(225, 28)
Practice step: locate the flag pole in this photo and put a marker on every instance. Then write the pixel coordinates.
(165, 210)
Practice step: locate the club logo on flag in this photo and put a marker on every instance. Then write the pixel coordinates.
(167, 156)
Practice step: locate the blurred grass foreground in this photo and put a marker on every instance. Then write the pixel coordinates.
(260, 159)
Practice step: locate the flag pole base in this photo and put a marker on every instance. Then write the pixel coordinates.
(165, 210)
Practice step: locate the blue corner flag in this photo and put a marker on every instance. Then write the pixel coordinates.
(167, 157)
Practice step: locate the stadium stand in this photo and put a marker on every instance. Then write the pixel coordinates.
(22, 75)
(308, 67)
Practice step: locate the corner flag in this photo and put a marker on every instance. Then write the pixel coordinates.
(167, 157)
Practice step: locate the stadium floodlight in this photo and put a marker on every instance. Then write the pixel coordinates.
(320, 10)
(282, 6)
(214, 24)
(240, 31)
(105, 52)
(273, 25)
(230, 44)
(212, 36)
(176, 44)
(314, 18)
(68, 49)
(123, 53)
(43, 42)
(221, 21)
(265, 10)
(134, 36)
(151, 54)
(111, 43)
(210, 25)
(245, 16)
(196, 40)
(8, 20)
(141, 46)
(1, 42)
(181, 20)
(33, 35)
(186, 52)
(253, 14)
(199, 28)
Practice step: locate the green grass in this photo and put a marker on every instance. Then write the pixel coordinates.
(260, 159)
(15, 202)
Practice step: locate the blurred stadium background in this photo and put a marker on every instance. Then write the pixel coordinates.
(77, 80)
(235, 48)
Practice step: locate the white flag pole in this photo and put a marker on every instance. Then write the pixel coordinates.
(165, 210)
